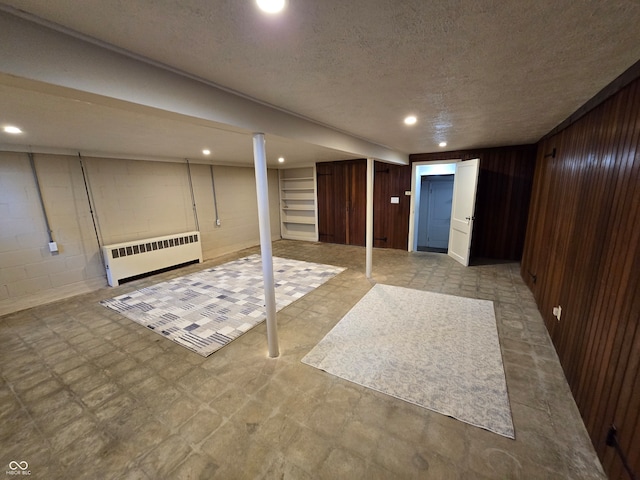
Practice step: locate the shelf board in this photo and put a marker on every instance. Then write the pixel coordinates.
(307, 237)
(301, 221)
(298, 205)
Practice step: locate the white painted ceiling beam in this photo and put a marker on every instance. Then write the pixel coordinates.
(36, 52)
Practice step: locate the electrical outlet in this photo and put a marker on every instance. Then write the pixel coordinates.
(218, 222)
(557, 312)
(611, 436)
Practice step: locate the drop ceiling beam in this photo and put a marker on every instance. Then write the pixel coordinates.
(36, 52)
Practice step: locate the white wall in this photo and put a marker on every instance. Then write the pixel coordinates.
(131, 200)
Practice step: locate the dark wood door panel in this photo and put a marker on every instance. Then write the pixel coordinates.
(357, 202)
(391, 220)
(342, 201)
(331, 202)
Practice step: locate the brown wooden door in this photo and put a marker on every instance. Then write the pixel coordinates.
(356, 202)
(391, 220)
(342, 201)
(331, 202)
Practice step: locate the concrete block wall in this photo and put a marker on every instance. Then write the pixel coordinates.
(237, 208)
(139, 199)
(132, 200)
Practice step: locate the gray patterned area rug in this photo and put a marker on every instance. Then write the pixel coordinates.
(206, 310)
(437, 351)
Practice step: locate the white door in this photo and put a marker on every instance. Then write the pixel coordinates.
(439, 213)
(464, 201)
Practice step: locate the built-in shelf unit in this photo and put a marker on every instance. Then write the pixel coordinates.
(298, 205)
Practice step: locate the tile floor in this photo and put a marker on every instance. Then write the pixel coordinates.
(87, 394)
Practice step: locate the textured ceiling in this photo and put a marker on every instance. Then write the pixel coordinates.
(475, 73)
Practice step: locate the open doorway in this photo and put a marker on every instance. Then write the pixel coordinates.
(428, 220)
(434, 221)
(426, 175)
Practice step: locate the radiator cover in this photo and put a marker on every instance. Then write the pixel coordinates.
(124, 260)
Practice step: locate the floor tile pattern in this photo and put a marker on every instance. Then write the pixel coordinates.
(87, 393)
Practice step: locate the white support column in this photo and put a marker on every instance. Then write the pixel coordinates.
(260, 161)
(369, 233)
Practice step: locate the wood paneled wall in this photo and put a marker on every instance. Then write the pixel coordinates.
(502, 199)
(582, 252)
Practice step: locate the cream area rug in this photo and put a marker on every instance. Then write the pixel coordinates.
(206, 310)
(440, 352)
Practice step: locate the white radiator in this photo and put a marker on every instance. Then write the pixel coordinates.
(124, 260)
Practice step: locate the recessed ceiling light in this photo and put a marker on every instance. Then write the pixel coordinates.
(281, 159)
(206, 151)
(410, 120)
(12, 129)
(271, 6)
(442, 144)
